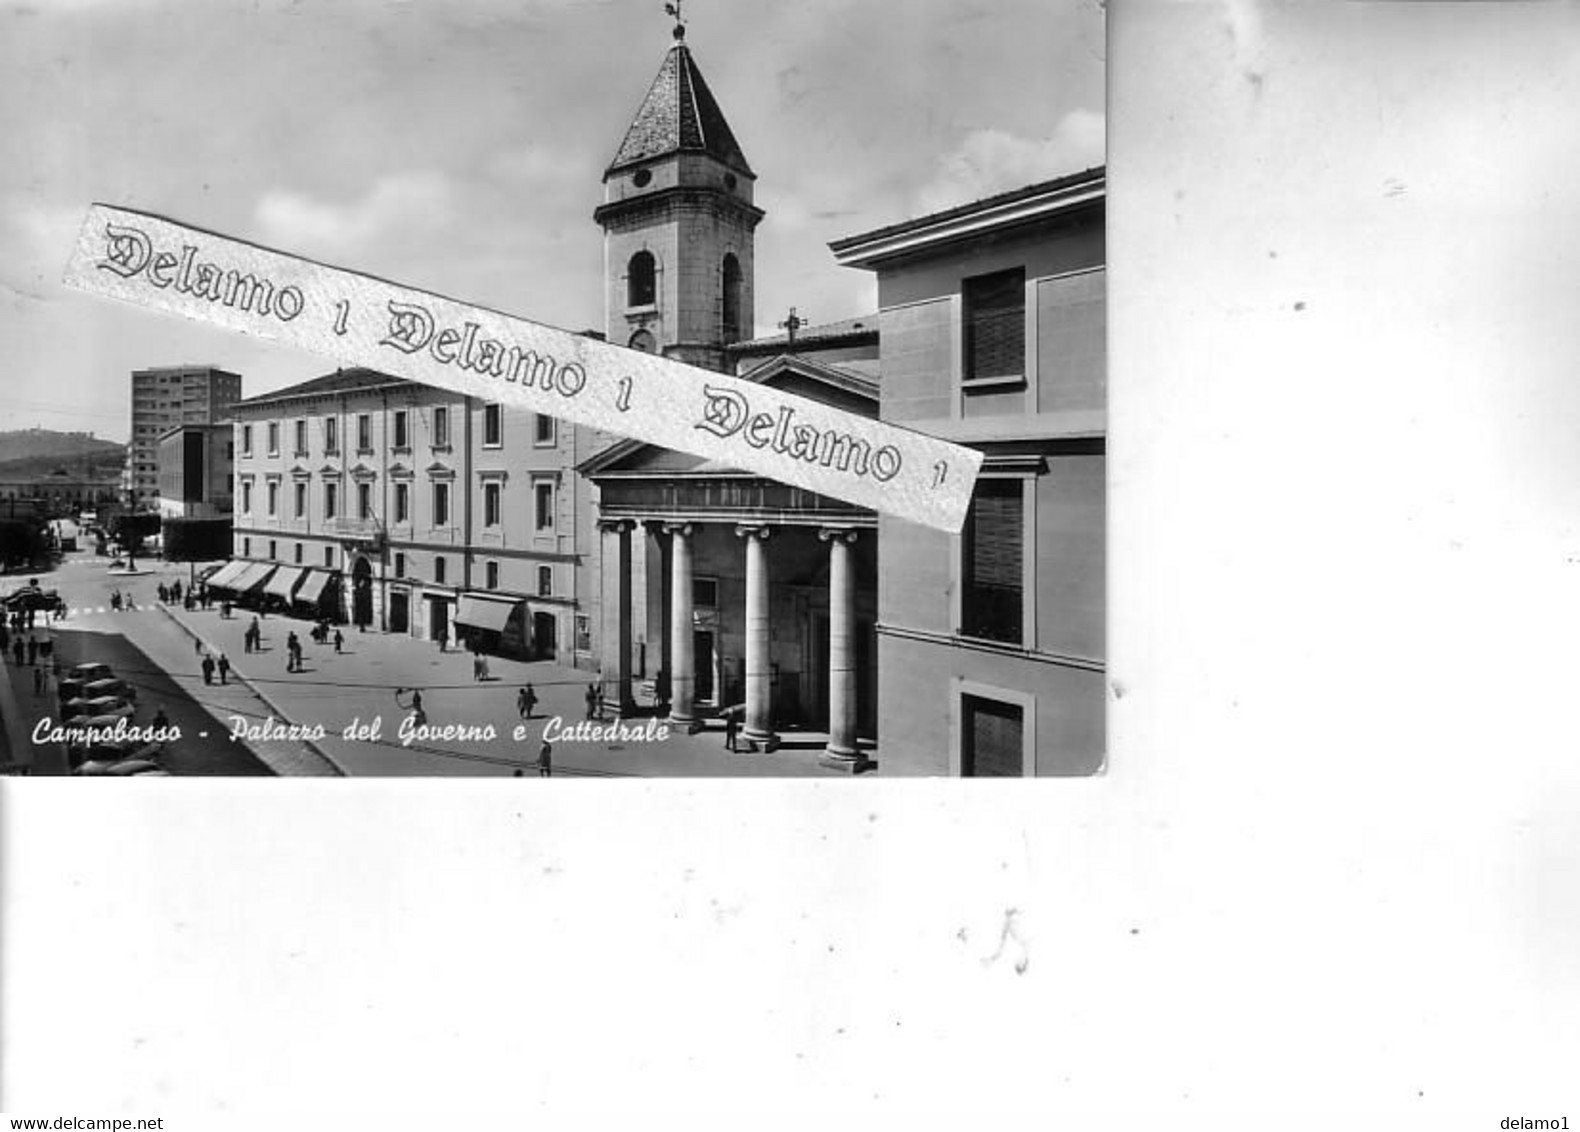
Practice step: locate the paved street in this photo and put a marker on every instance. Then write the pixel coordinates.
(157, 649)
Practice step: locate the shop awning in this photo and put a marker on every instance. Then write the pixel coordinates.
(313, 586)
(284, 581)
(226, 574)
(477, 612)
(252, 577)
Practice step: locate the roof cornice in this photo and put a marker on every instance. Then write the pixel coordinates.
(1037, 203)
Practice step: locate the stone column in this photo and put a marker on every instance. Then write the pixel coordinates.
(759, 727)
(616, 628)
(842, 752)
(683, 675)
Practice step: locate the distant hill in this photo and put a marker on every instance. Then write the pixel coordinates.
(62, 447)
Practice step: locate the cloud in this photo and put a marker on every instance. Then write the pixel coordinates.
(394, 208)
(992, 161)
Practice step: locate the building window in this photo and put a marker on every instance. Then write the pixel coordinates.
(644, 342)
(583, 633)
(493, 426)
(441, 426)
(994, 562)
(331, 434)
(331, 500)
(301, 438)
(246, 440)
(329, 558)
(705, 593)
(402, 502)
(641, 280)
(992, 738)
(441, 504)
(299, 501)
(298, 554)
(994, 313)
(246, 548)
(545, 581)
(400, 564)
(491, 575)
(364, 501)
(401, 440)
(273, 490)
(491, 505)
(438, 570)
(246, 497)
(364, 432)
(272, 554)
(543, 506)
(274, 438)
(731, 283)
(543, 431)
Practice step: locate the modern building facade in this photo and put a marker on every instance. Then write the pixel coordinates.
(991, 644)
(161, 399)
(196, 469)
(432, 514)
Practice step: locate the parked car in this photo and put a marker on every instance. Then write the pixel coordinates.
(128, 767)
(90, 672)
(111, 751)
(75, 707)
(110, 687)
(70, 689)
(103, 711)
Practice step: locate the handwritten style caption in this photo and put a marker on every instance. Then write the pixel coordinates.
(157, 263)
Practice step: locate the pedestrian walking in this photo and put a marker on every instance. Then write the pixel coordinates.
(18, 650)
(591, 700)
(38, 681)
(197, 647)
(477, 666)
(526, 701)
(208, 669)
(161, 720)
(546, 759)
(731, 725)
(224, 668)
(293, 649)
(599, 703)
(32, 651)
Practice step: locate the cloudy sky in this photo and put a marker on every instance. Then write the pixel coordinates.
(459, 147)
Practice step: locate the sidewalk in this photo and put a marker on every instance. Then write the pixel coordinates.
(359, 686)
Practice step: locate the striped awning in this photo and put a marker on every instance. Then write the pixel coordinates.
(252, 577)
(285, 580)
(491, 613)
(226, 574)
(312, 587)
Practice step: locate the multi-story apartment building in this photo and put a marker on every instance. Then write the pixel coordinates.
(991, 642)
(196, 472)
(420, 511)
(161, 399)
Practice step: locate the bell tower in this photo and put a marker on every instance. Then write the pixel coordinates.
(678, 222)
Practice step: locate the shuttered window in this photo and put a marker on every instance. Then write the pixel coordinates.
(995, 562)
(995, 325)
(992, 738)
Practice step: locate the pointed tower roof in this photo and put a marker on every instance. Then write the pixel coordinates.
(679, 114)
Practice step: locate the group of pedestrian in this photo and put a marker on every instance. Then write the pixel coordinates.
(252, 637)
(545, 762)
(119, 601)
(526, 701)
(171, 594)
(31, 650)
(323, 635)
(595, 702)
(480, 667)
(212, 664)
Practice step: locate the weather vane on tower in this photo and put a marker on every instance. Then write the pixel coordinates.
(673, 8)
